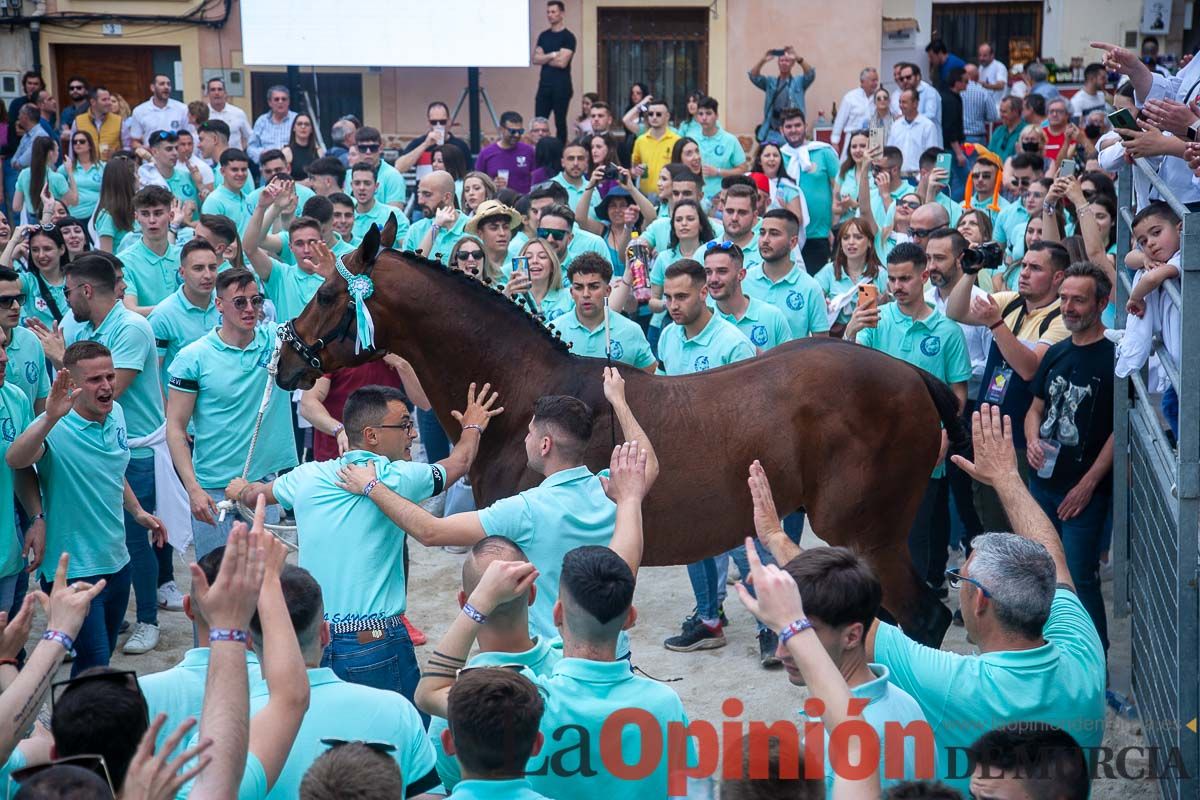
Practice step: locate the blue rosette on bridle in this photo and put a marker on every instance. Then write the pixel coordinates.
(360, 287)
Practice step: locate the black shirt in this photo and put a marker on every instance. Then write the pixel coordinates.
(1076, 385)
(952, 118)
(550, 41)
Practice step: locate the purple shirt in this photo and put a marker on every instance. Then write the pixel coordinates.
(518, 161)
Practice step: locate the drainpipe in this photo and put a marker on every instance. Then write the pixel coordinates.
(35, 34)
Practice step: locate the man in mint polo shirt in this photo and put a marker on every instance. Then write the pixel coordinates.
(151, 265)
(91, 285)
(389, 183)
(289, 286)
(26, 358)
(782, 283)
(813, 165)
(274, 167)
(441, 224)
(741, 221)
(721, 154)
(590, 276)
(760, 322)
(569, 508)
(368, 209)
(16, 413)
(571, 178)
(217, 384)
(911, 330)
(320, 209)
(81, 448)
(348, 544)
(228, 199)
(191, 311)
(164, 169)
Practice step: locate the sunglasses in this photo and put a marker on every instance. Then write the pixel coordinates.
(515, 131)
(7, 300)
(163, 136)
(439, 123)
(551, 233)
(920, 233)
(240, 303)
(383, 748)
(77, 88)
(68, 289)
(1022, 181)
(981, 176)
(911, 205)
(469, 255)
(79, 141)
(368, 148)
(92, 763)
(724, 247)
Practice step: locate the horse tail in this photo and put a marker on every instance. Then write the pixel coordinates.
(947, 408)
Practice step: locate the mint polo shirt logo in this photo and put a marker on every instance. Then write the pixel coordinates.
(31, 372)
(554, 314)
(8, 429)
(618, 350)
(264, 358)
(758, 335)
(40, 304)
(795, 301)
(700, 364)
(719, 149)
(931, 345)
(122, 441)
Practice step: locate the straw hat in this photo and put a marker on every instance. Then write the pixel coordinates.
(490, 209)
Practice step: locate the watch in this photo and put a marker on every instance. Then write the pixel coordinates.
(1193, 131)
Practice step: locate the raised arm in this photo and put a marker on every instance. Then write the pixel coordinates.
(631, 429)
(627, 486)
(583, 209)
(474, 420)
(271, 195)
(767, 525)
(862, 170)
(29, 447)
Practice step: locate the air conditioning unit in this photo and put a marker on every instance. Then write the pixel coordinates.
(10, 85)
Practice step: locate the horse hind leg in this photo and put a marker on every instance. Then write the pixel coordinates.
(909, 601)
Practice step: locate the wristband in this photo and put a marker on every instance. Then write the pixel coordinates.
(228, 635)
(371, 484)
(37, 516)
(473, 426)
(995, 325)
(338, 429)
(797, 626)
(58, 636)
(473, 613)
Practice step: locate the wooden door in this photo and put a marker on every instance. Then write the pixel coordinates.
(122, 69)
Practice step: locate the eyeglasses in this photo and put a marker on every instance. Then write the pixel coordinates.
(515, 131)
(90, 762)
(407, 425)
(368, 148)
(469, 255)
(9, 299)
(383, 748)
(920, 233)
(163, 136)
(240, 303)
(981, 176)
(68, 289)
(551, 233)
(1022, 182)
(955, 580)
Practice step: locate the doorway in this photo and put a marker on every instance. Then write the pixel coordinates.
(666, 48)
(123, 69)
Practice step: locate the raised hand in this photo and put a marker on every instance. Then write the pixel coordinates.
(231, 600)
(355, 477)
(502, 581)
(68, 605)
(62, 395)
(626, 479)
(151, 776)
(995, 456)
(15, 632)
(324, 263)
(480, 407)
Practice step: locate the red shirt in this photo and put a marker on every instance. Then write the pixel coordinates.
(341, 385)
(1054, 143)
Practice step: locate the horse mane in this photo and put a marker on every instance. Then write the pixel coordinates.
(488, 294)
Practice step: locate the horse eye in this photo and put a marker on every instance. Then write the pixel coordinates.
(324, 298)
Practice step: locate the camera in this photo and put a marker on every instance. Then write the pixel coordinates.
(611, 173)
(988, 255)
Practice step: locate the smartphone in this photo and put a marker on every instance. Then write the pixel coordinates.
(777, 52)
(1067, 168)
(521, 264)
(1123, 118)
(945, 161)
(868, 295)
(875, 140)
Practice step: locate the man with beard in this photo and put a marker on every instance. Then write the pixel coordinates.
(740, 223)
(782, 283)
(761, 323)
(441, 223)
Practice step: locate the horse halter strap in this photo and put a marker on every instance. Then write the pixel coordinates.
(360, 287)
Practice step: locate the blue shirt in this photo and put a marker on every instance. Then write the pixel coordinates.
(27, 364)
(515, 789)
(794, 91)
(290, 288)
(797, 295)
(629, 344)
(391, 190)
(763, 324)
(719, 343)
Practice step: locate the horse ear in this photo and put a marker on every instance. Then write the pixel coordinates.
(368, 249)
(389, 232)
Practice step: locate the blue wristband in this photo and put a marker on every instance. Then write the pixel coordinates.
(228, 635)
(371, 484)
(473, 613)
(58, 636)
(798, 626)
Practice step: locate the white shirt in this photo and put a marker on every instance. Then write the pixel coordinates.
(853, 113)
(206, 172)
(979, 338)
(1174, 171)
(929, 105)
(239, 125)
(148, 118)
(1083, 103)
(914, 138)
(993, 72)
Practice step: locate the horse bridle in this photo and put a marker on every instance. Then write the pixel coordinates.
(311, 352)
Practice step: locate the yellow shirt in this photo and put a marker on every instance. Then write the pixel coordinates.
(108, 138)
(1030, 330)
(655, 154)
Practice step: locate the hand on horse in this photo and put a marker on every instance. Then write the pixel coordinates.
(355, 477)
(480, 408)
(776, 603)
(627, 474)
(501, 582)
(995, 457)
(614, 387)
(766, 516)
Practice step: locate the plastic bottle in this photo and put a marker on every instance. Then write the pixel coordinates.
(637, 258)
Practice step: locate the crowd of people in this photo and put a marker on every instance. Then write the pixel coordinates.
(149, 254)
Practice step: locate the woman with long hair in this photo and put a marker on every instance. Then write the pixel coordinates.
(84, 173)
(854, 263)
(547, 158)
(38, 184)
(846, 201)
(583, 123)
(302, 148)
(113, 219)
(450, 159)
(633, 120)
(544, 283)
(468, 256)
(43, 282)
(75, 236)
(784, 192)
(881, 112)
(477, 187)
(687, 152)
(688, 125)
(975, 225)
(602, 152)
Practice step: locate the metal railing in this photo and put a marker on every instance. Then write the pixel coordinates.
(1156, 510)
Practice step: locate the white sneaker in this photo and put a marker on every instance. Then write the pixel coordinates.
(143, 640)
(456, 549)
(169, 597)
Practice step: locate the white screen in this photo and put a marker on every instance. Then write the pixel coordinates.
(386, 33)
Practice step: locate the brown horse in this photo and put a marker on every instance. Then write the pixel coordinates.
(847, 433)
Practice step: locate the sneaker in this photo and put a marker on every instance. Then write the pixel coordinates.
(414, 633)
(767, 643)
(169, 597)
(124, 629)
(456, 549)
(143, 640)
(696, 636)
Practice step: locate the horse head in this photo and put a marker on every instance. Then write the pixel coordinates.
(322, 338)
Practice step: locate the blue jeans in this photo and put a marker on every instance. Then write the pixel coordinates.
(388, 663)
(97, 637)
(738, 554)
(703, 576)
(1170, 409)
(1082, 539)
(142, 558)
(8, 592)
(437, 444)
(210, 537)
(793, 526)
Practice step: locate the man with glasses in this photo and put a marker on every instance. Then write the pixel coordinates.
(438, 117)
(390, 189)
(508, 160)
(913, 133)
(441, 222)
(983, 186)
(77, 90)
(26, 358)
(364, 581)
(219, 108)
(557, 226)
(160, 113)
(1028, 193)
(930, 102)
(653, 148)
(272, 129)
(1058, 115)
(217, 385)
(925, 220)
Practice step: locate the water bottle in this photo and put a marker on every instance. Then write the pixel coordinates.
(637, 257)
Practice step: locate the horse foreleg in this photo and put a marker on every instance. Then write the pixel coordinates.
(908, 600)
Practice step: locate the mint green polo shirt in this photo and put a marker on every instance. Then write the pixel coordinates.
(131, 339)
(817, 187)
(981, 204)
(16, 413)
(833, 286)
(106, 226)
(303, 195)
(351, 547)
(658, 232)
(1009, 229)
(886, 703)
(58, 187)
(176, 323)
(763, 324)
(443, 243)
(515, 789)
(629, 345)
(718, 344)
(575, 193)
(35, 304)
(228, 203)
(797, 294)
(1060, 683)
(583, 694)
(391, 189)
(290, 288)
(181, 185)
(149, 277)
(568, 509)
(539, 660)
(721, 150)
(83, 488)
(340, 248)
(350, 711)
(556, 304)
(378, 215)
(27, 364)
(178, 692)
(87, 184)
(228, 383)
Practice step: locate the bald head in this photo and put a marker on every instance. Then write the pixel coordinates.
(929, 217)
(436, 190)
(485, 551)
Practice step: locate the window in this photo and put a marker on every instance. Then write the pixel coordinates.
(666, 49)
(963, 26)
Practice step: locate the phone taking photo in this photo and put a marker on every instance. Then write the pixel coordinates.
(945, 161)
(1122, 118)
